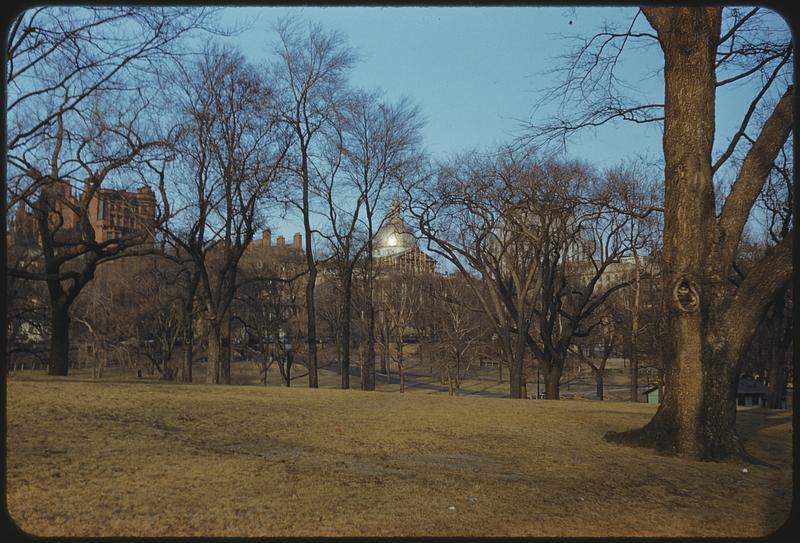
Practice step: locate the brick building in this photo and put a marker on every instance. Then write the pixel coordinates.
(112, 214)
(117, 213)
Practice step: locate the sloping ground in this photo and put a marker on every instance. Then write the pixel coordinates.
(150, 459)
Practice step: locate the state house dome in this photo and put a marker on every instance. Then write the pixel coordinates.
(395, 236)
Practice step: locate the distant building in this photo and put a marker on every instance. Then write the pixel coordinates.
(652, 395)
(118, 213)
(111, 213)
(751, 393)
(262, 254)
(396, 248)
(615, 273)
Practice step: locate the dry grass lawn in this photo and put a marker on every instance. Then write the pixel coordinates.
(150, 459)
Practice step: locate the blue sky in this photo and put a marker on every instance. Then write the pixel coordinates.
(476, 72)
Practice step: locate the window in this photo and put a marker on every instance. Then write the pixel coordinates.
(101, 208)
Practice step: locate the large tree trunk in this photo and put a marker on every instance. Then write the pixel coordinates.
(188, 352)
(689, 41)
(552, 379)
(338, 341)
(634, 384)
(776, 388)
(633, 344)
(311, 313)
(515, 375)
(598, 379)
(347, 295)
(781, 333)
(689, 211)
(188, 328)
(384, 358)
(516, 365)
(451, 389)
(311, 322)
(59, 339)
(402, 375)
(226, 354)
(214, 353)
(368, 375)
(708, 326)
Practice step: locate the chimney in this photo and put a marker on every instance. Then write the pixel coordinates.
(281, 241)
(266, 235)
(298, 240)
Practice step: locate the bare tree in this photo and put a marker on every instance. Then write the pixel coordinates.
(533, 240)
(310, 81)
(231, 152)
(460, 330)
(158, 317)
(399, 297)
(382, 150)
(107, 318)
(632, 193)
(372, 145)
(463, 213)
(267, 305)
(710, 318)
(606, 333)
(27, 319)
(75, 123)
(341, 209)
(70, 248)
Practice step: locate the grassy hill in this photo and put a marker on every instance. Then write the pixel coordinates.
(89, 458)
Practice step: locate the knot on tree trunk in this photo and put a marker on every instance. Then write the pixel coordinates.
(686, 294)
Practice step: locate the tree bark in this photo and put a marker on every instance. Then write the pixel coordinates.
(347, 295)
(781, 333)
(384, 358)
(188, 352)
(400, 364)
(708, 326)
(368, 376)
(776, 388)
(552, 380)
(515, 380)
(227, 358)
(689, 206)
(59, 339)
(312, 329)
(599, 377)
(516, 364)
(188, 327)
(311, 314)
(213, 373)
(633, 353)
